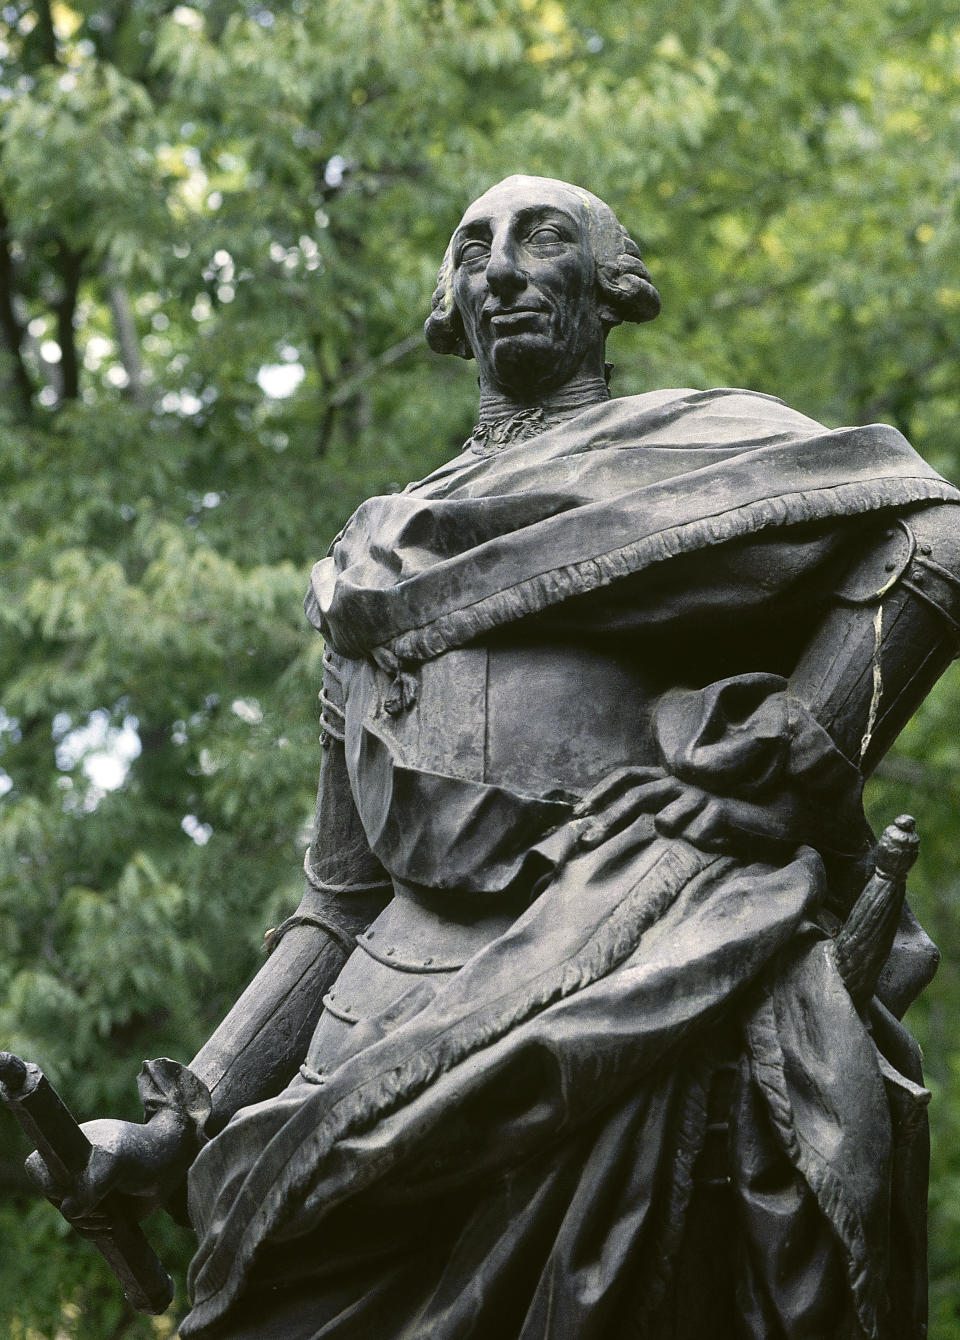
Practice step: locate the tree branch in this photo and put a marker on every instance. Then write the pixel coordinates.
(392, 355)
(128, 342)
(45, 31)
(325, 431)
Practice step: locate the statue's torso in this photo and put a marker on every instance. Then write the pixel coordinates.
(499, 742)
(502, 735)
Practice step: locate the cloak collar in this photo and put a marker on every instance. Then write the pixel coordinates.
(620, 487)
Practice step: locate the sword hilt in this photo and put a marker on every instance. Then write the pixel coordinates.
(864, 941)
(47, 1121)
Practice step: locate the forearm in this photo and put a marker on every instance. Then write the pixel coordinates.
(255, 1051)
(785, 760)
(892, 633)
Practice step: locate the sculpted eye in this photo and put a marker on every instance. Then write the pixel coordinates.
(472, 251)
(546, 233)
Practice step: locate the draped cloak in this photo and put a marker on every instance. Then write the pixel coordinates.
(511, 1151)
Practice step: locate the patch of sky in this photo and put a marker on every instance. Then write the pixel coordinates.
(199, 832)
(247, 709)
(103, 750)
(277, 381)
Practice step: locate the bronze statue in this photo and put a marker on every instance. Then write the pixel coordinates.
(587, 1026)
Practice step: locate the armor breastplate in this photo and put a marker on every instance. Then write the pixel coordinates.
(537, 719)
(489, 752)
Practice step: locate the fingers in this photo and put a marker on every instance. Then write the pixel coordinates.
(708, 829)
(139, 1162)
(79, 1205)
(92, 1185)
(40, 1175)
(645, 799)
(721, 823)
(673, 819)
(613, 785)
(679, 809)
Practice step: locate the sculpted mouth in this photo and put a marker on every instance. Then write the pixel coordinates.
(515, 318)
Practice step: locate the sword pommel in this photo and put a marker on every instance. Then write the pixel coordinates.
(13, 1073)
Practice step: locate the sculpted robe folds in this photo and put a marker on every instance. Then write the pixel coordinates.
(506, 1124)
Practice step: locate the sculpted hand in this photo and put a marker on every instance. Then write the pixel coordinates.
(679, 809)
(143, 1161)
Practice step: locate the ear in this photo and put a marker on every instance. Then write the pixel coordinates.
(626, 295)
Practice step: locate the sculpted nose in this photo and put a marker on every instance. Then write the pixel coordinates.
(503, 273)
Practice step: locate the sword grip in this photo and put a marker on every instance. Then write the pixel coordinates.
(46, 1120)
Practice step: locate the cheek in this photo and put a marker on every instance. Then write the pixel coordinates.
(465, 297)
(580, 277)
(569, 276)
(576, 299)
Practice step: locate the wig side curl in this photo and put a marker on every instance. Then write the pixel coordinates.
(443, 328)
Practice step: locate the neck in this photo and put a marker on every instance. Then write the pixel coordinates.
(575, 395)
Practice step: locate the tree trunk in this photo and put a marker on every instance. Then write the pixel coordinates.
(71, 270)
(10, 326)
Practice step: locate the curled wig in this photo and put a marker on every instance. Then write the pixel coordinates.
(623, 281)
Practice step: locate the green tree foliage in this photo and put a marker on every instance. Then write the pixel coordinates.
(219, 229)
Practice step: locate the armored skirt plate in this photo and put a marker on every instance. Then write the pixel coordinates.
(419, 940)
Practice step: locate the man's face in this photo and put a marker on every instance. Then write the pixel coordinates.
(524, 283)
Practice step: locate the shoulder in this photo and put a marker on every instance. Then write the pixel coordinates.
(724, 415)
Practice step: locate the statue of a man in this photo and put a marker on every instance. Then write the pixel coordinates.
(588, 1024)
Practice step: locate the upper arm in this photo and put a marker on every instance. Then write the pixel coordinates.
(892, 628)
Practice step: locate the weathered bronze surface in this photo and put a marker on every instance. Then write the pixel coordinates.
(587, 1026)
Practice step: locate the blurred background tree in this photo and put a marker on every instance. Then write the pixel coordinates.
(219, 230)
